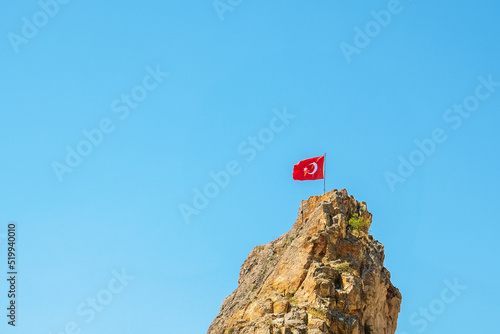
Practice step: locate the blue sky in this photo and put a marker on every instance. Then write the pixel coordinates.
(403, 96)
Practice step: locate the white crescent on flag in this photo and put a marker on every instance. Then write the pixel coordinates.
(315, 168)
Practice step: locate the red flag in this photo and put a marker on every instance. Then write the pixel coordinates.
(309, 169)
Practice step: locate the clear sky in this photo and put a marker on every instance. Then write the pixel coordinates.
(116, 119)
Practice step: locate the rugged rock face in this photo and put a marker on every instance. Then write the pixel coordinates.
(323, 276)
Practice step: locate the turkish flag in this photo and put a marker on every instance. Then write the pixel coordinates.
(309, 169)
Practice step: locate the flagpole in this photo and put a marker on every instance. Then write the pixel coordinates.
(324, 176)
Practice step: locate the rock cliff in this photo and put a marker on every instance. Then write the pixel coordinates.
(323, 276)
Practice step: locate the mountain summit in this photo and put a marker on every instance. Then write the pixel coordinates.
(326, 275)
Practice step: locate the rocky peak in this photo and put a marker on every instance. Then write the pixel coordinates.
(322, 276)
